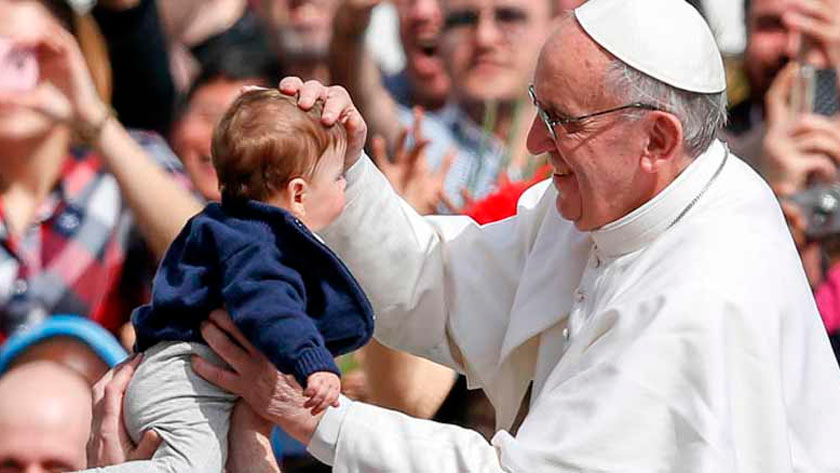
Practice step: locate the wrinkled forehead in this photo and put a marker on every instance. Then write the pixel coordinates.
(758, 13)
(571, 64)
(569, 51)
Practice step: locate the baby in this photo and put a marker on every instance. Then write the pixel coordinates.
(281, 175)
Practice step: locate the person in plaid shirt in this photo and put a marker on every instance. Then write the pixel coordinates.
(69, 215)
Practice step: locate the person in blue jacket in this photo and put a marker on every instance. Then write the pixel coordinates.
(281, 176)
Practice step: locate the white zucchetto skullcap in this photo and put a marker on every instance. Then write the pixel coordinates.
(665, 39)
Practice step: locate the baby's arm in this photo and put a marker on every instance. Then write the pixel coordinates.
(322, 389)
(267, 301)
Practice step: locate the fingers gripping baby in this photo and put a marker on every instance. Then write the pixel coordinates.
(281, 175)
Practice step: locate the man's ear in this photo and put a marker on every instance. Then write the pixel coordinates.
(296, 193)
(665, 140)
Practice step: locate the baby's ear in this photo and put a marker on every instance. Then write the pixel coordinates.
(296, 194)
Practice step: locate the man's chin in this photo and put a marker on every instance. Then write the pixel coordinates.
(566, 213)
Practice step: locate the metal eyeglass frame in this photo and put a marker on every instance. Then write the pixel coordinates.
(550, 123)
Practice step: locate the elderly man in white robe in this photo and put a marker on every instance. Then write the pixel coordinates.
(652, 295)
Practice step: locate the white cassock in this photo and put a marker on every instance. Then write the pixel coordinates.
(653, 346)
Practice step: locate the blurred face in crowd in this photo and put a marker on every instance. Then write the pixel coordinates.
(68, 352)
(45, 417)
(597, 162)
(421, 22)
(19, 19)
(193, 132)
(770, 44)
(303, 27)
(490, 46)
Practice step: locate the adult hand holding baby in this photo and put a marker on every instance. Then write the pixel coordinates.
(338, 108)
(110, 443)
(275, 396)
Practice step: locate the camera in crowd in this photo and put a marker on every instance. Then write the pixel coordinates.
(816, 92)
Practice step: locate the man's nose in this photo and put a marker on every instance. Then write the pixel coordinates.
(539, 140)
(487, 32)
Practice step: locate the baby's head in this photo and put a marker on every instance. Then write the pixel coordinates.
(266, 148)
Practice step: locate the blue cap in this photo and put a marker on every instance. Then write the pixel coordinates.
(86, 331)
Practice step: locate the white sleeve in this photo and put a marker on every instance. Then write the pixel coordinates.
(420, 273)
(364, 438)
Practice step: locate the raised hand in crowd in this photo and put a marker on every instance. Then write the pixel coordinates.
(189, 22)
(66, 95)
(352, 65)
(819, 23)
(354, 16)
(799, 148)
(408, 170)
(66, 92)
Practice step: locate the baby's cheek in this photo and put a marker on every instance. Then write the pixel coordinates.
(340, 202)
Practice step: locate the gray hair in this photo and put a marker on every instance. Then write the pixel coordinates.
(701, 115)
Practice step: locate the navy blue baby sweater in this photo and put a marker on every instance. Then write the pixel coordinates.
(288, 293)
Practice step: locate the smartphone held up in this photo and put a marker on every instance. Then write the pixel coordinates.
(815, 91)
(18, 67)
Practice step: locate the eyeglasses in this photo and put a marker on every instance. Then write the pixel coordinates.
(565, 122)
(509, 20)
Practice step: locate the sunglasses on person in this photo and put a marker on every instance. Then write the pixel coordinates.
(507, 19)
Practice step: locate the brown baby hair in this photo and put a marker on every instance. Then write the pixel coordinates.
(264, 140)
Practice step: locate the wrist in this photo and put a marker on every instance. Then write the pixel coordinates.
(88, 125)
(303, 428)
(92, 113)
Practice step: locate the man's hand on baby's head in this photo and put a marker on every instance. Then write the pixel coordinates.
(338, 108)
(322, 389)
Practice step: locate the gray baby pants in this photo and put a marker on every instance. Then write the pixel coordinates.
(190, 414)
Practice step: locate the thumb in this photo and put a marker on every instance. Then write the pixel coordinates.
(147, 447)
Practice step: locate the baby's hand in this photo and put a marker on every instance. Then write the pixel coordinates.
(322, 389)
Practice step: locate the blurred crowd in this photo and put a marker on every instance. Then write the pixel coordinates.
(92, 195)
